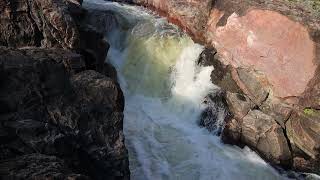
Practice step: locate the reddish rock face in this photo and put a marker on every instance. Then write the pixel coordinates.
(270, 38)
(270, 43)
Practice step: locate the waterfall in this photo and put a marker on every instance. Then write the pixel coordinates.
(164, 89)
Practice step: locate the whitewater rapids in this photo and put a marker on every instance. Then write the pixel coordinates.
(164, 89)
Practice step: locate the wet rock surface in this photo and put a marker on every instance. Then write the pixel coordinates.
(222, 74)
(61, 111)
(215, 113)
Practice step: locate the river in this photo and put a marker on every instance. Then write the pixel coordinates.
(164, 89)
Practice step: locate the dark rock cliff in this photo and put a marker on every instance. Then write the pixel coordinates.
(61, 111)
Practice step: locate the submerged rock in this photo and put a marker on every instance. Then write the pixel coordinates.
(216, 112)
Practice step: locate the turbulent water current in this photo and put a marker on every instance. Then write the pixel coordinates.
(164, 89)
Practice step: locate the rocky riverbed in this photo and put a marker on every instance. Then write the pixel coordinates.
(266, 58)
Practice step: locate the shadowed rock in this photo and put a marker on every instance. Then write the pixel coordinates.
(47, 109)
(221, 75)
(37, 166)
(37, 23)
(216, 112)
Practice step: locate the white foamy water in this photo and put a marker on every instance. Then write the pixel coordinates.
(164, 89)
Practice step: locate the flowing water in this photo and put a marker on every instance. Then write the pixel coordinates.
(164, 89)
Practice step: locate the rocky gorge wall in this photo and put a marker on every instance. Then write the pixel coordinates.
(61, 107)
(266, 57)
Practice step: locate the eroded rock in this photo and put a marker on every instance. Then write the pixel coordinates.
(239, 105)
(37, 23)
(311, 97)
(303, 131)
(277, 109)
(253, 84)
(231, 133)
(48, 109)
(261, 132)
(37, 166)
